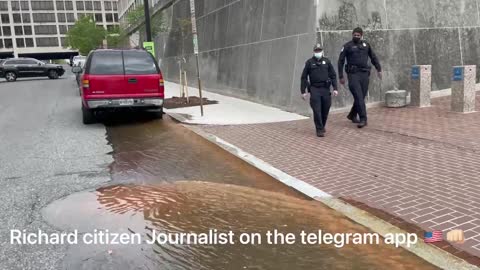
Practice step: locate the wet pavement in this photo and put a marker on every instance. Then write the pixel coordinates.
(167, 179)
(197, 207)
(142, 175)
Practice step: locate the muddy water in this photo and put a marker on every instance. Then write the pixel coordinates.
(164, 151)
(168, 180)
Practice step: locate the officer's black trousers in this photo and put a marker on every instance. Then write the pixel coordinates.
(358, 83)
(320, 101)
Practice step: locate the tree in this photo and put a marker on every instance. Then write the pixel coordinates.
(158, 21)
(116, 38)
(85, 35)
(181, 33)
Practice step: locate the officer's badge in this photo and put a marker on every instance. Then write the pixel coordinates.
(324, 62)
(364, 44)
(343, 48)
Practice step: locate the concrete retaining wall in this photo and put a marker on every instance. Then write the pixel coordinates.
(256, 49)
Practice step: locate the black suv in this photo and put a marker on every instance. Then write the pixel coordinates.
(14, 68)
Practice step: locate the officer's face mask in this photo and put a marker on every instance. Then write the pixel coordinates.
(356, 39)
(318, 55)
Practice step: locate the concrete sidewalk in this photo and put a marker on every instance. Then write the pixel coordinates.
(228, 111)
(419, 165)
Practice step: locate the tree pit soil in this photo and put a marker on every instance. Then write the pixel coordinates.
(181, 102)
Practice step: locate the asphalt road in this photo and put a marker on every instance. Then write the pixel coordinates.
(46, 154)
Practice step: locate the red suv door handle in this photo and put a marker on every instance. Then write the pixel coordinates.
(132, 80)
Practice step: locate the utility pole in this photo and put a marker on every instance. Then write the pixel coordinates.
(146, 5)
(195, 49)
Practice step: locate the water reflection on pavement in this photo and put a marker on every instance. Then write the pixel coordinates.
(167, 179)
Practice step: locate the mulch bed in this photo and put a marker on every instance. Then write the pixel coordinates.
(181, 102)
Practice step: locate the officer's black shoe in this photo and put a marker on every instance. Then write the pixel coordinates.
(362, 124)
(320, 134)
(353, 119)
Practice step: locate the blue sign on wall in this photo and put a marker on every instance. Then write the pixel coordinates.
(458, 74)
(415, 73)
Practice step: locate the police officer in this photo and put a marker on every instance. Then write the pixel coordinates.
(318, 76)
(357, 53)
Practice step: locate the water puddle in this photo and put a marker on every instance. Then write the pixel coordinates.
(197, 207)
(153, 152)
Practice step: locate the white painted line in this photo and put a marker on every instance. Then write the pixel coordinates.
(288, 180)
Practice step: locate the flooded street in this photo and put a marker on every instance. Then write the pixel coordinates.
(166, 179)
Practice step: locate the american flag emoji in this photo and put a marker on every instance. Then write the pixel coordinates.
(433, 236)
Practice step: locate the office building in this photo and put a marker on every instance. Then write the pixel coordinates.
(37, 28)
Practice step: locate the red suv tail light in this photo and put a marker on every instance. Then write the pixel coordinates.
(161, 82)
(86, 84)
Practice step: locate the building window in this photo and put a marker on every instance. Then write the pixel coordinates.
(62, 29)
(42, 5)
(27, 30)
(5, 18)
(29, 42)
(7, 31)
(70, 17)
(1, 43)
(115, 17)
(4, 5)
(47, 42)
(20, 43)
(64, 42)
(17, 18)
(80, 5)
(88, 5)
(114, 6)
(109, 17)
(8, 43)
(26, 17)
(18, 30)
(108, 5)
(60, 5)
(98, 17)
(97, 5)
(68, 5)
(45, 30)
(24, 5)
(43, 17)
(61, 17)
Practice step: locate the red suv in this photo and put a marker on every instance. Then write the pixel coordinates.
(115, 79)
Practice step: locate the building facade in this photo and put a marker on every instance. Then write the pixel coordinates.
(256, 49)
(125, 6)
(38, 27)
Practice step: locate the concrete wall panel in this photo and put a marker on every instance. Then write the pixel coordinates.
(441, 49)
(410, 14)
(256, 49)
(348, 14)
(274, 19)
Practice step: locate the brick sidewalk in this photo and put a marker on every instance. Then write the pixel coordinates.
(422, 165)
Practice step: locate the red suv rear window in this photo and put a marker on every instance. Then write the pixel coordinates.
(138, 62)
(107, 63)
(122, 62)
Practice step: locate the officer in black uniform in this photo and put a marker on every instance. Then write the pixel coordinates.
(357, 53)
(318, 76)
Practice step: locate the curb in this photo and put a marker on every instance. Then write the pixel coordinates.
(429, 253)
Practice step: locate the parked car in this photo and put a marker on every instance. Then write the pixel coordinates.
(78, 59)
(116, 79)
(14, 68)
